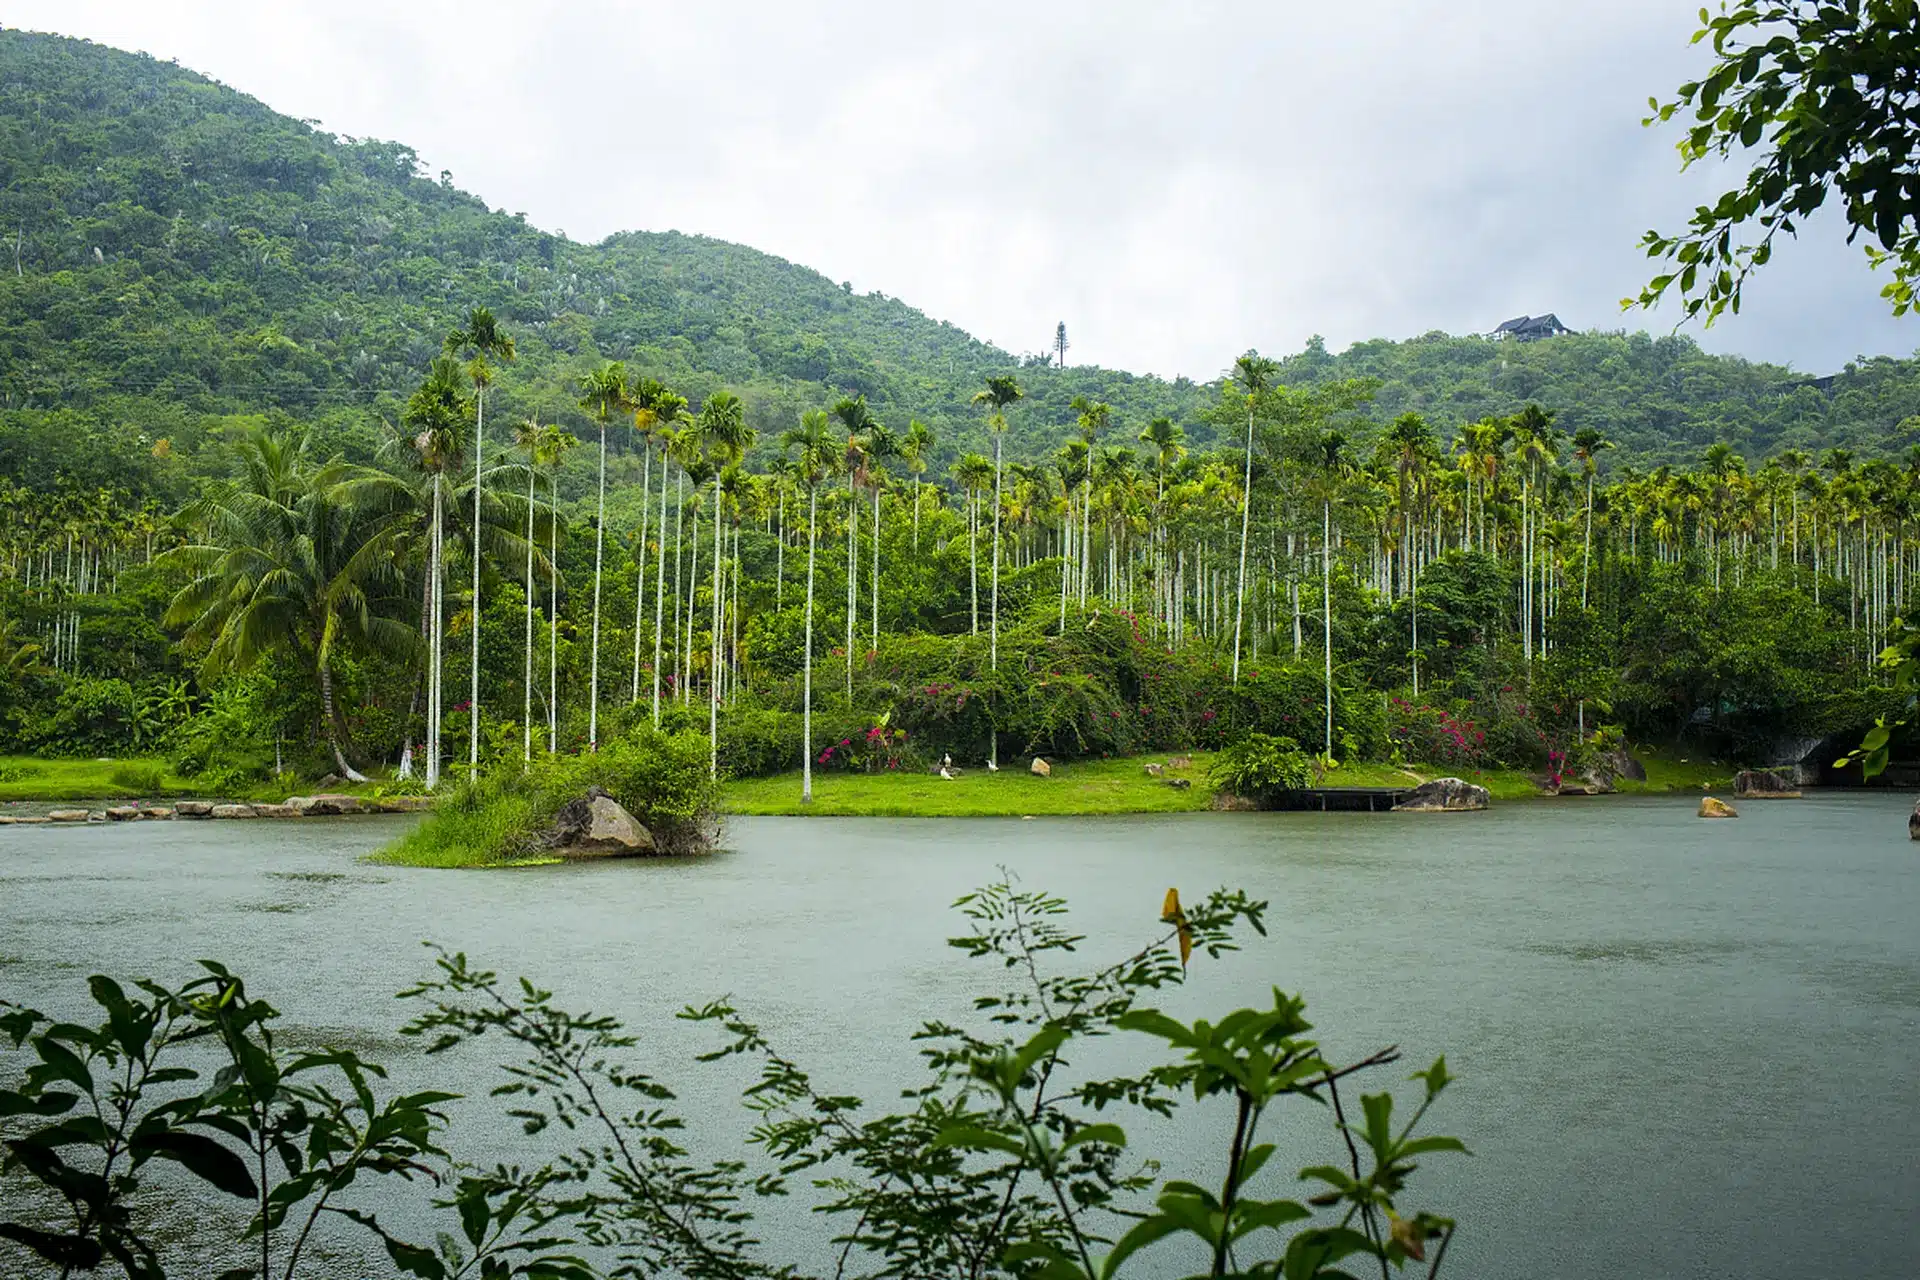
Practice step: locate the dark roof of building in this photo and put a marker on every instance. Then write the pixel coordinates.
(1531, 324)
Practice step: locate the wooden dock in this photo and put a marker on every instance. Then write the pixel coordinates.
(1340, 799)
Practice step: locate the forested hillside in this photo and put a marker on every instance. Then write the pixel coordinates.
(188, 262)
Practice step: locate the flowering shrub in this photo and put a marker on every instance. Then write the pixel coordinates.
(1434, 735)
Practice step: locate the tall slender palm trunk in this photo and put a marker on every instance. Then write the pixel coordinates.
(659, 591)
(993, 641)
(599, 548)
(526, 715)
(640, 569)
(553, 623)
(1326, 606)
(1246, 515)
(806, 661)
(473, 692)
(713, 660)
(436, 550)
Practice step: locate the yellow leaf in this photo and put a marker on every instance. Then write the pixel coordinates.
(1170, 912)
(1410, 1236)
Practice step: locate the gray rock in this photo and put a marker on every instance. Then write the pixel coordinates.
(1180, 784)
(328, 804)
(597, 826)
(1444, 795)
(406, 804)
(1764, 784)
(234, 811)
(1155, 770)
(158, 812)
(1180, 762)
(194, 808)
(67, 815)
(1913, 822)
(124, 813)
(275, 811)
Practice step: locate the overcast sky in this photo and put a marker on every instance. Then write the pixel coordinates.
(1178, 181)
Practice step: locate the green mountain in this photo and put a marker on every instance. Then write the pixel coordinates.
(183, 257)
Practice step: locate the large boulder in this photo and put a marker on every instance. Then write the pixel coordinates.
(598, 826)
(194, 808)
(327, 804)
(124, 813)
(1714, 807)
(276, 811)
(1444, 795)
(67, 815)
(405, 804)
(1764, 784)
(1040, 768)
(234, 811)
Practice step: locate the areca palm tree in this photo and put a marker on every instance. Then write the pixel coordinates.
(1091, 417)
(915, 448)
(1254, 373)
(812, 442)
(858, 420)
(604, 393)
(544, 447)
(879, 445)
(479, 339)
(278, 564)
(973, 472)
(727, 437)
(1588, 444)
(435, 413)
(1001, 392)
(655, 410)
(1334, 464)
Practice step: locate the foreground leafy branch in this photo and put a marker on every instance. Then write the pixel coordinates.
(1007, 1158)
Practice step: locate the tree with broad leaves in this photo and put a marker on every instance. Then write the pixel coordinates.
(1822, 95)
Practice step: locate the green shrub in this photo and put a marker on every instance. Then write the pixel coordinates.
(659, 778)
(1258, 766)
(19, 772)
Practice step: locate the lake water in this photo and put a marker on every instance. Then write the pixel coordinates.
(1685, 1048)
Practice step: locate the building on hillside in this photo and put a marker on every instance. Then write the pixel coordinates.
(1532, 328)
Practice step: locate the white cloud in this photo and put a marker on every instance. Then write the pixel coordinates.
(1176, 182)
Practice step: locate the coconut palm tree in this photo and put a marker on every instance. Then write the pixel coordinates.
(479, 339)
(603, 394)
(1254, 373)
(1001, 392)
(727, 437)
(813, 444)
(277, 564)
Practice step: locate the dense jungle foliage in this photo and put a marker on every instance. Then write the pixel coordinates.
(281, 418)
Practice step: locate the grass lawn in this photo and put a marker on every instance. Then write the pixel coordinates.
(1078, 787)
(1122, 786)
(30, 778)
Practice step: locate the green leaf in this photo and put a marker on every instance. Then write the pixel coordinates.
(1111, 1134)
(975, 1138)
(64, 1062)
(202, 1156)
(1144, 1233)
(63, 1251)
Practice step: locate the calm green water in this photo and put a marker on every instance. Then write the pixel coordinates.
(1686, 1048)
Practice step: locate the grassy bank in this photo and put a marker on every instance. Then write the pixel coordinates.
(1081, 787)
(1123, 786)
(29, 778)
